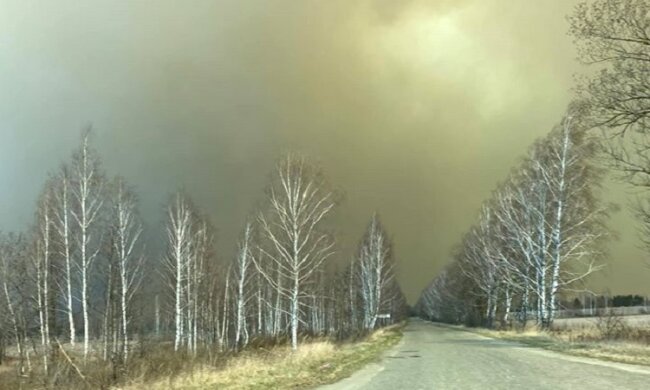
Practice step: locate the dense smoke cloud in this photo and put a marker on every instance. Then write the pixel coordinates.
(415, 109)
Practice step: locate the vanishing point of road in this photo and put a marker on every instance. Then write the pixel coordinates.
(431, 356)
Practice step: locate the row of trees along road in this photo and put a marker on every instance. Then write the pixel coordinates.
(542, 231)
(76, 281)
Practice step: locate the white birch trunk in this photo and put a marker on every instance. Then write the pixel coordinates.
(62, 226)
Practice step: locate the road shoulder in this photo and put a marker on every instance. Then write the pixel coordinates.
(549, 352)
(363, 376)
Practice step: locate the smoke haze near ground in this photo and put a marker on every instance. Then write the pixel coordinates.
(415, 109)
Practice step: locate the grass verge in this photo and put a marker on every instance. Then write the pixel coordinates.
(577, 342)
(315, 363)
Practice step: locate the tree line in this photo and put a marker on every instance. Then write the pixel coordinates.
(542, 231)
(82, 281)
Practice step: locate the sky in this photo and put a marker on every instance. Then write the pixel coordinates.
(415, 109)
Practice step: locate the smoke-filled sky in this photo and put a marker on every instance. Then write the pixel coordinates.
(414, 108)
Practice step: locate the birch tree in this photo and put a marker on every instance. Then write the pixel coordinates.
(558, 234)
(127, 230)
(179, 236)
(299, 202)
(242, 275)
(87, 193)
(42, 257)
(523, 214)
(577, 224)
(12, 265)
(375, 270)
(614, 37)
(477, 260)
(353, 294)
(201, 253)
(62, 226)
(522, 267)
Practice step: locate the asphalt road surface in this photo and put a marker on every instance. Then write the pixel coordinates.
(437, 357)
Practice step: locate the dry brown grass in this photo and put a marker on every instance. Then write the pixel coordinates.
(154, 365)
(317, 362)
(603, 338)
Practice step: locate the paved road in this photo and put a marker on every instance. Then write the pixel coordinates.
(438, 357)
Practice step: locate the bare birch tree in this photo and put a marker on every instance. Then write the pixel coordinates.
(577, 224)
(375, 270)
(12, 264)
(62, 226)
(87, 192)
(127, 230)
(201, 253)
(614, 35)
(42, 258)
(477, 260)
(179, 236)
(523, 214)
(299, 201)
(242, 275)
